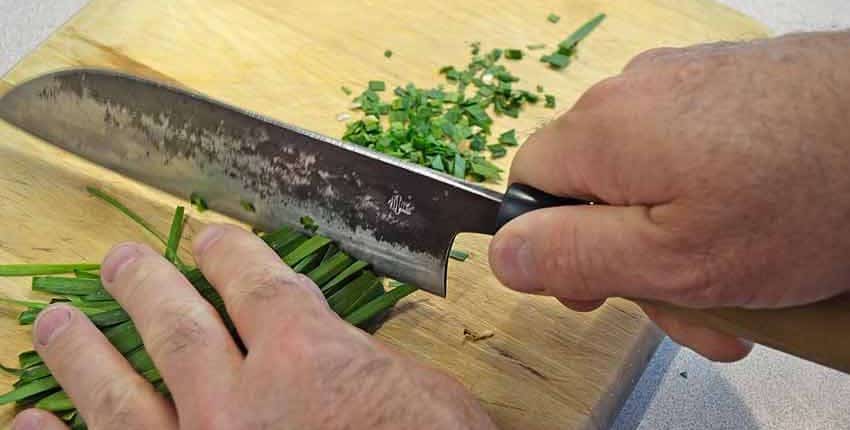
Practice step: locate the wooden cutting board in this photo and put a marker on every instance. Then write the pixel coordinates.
(546, 367)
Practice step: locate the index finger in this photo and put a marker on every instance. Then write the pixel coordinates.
(605, 148)
(176, 323)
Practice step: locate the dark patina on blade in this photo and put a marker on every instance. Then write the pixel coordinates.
(400, 217)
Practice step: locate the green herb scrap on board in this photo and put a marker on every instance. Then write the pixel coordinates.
(352, 290)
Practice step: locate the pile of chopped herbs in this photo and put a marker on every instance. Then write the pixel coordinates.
(448, 128)
(352, 290)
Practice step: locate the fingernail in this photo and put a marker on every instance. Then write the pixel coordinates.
(514, 264)
(50, 323)
(117, 259)
(207, 237)
(27, 420)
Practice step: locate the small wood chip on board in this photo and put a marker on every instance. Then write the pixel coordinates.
(473, 336)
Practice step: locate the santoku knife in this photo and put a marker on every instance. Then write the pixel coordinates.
(400, 217)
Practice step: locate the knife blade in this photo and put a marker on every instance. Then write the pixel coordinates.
(400, 217)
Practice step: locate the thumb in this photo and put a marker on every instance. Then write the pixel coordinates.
(588, 253)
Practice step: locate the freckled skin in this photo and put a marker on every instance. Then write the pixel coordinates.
(727, 168)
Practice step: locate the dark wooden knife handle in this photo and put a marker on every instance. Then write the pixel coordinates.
(819, 332)
(520, 199)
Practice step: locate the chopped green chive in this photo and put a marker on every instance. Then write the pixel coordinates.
(174, 236)
(330, 268)
(388, 53)
(513, 54)
(28, 390)
(570, 42)
(112, 201)
(11, 371)
(550, 101)
(44, 269)
(458, 255)
(308, 223)
(379, 304)
(535, 46)
(484, 170)
(508, 138)
(556, 60)
(28, 359)
(437, 163)
(562, 57)
(86, 275)
(497, 151)
(307, 248)
(337, 282)
(459, 170)
(198, 202)
(553, 18)
(343, 299)
(345, 90)
(67, 286)
(377, 85)
(248, 206)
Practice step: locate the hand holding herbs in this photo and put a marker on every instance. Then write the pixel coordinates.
(726, 169)
(259, 335)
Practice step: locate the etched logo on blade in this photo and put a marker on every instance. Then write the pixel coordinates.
(398, 205)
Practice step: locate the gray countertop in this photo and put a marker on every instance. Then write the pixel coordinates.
(679, 390)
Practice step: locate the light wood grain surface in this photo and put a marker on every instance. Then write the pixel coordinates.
(546, 367)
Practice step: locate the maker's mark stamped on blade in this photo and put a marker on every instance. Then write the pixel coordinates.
(399, 205)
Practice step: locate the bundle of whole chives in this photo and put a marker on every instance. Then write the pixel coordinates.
(353, 292)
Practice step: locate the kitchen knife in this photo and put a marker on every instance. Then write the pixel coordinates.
(400, 217)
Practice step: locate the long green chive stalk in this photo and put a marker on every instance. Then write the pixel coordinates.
(354, 292)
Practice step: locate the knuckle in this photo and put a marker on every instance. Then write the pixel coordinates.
(178, 328)
(316, 345)
(694, 70)
(650, 56)
(268, 282)
(116, 398)
(296, 337)
(140, 273)
(260, 283)
(696, 277)
(222, 418)
(603, 92)
(310, 287)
